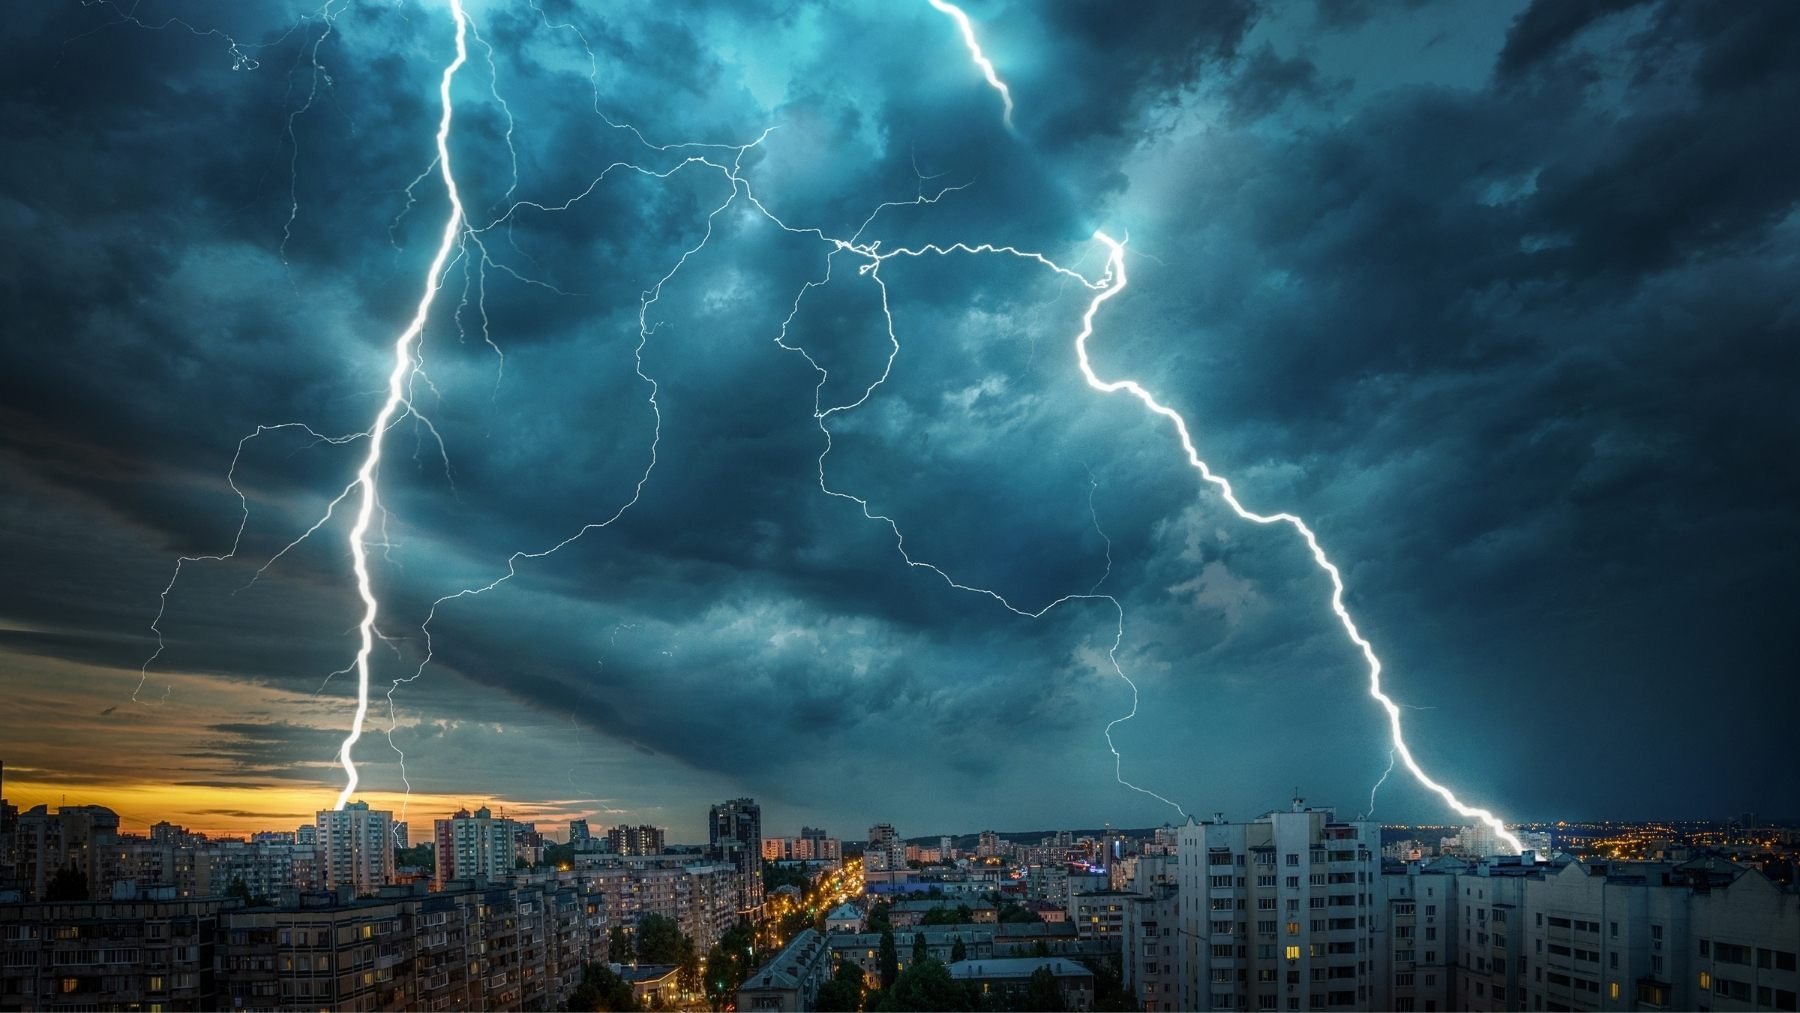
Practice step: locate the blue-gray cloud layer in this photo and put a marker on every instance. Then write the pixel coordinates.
(1518, 338)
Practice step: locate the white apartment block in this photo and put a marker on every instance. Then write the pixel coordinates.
(1281, 913)
(1293, 912)
(470, 845)
(355, 847)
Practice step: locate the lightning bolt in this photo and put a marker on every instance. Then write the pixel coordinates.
(399, 402)
(986, 66)
(1116, 282)
(1378, 783)
(453, 246)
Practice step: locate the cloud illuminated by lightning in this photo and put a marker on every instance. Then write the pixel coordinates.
(986, 66)
(454, 246)
(1114, 284)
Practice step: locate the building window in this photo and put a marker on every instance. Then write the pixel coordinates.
(1705, 982)
(1612, 990)
(1293, 953)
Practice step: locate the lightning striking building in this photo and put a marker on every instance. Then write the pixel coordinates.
(355, 847)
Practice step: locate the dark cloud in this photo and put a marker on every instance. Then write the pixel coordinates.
(1517, 350)
(1548, 25)
(1268, 81)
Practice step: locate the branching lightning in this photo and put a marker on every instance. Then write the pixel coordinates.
(1378, 783)
(398, 401)
(454, 247)
(1114, 284)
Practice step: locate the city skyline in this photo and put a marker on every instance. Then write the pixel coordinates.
(1461, 310)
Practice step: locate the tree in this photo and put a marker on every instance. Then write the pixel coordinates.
(658, 940)
(420, 856)
(878, 917)
(67, 884)
(600, 990)
(1109, 985)
(844, 992)
(688, 966)
(1042, 992)
(618, 943)
(721, 976)
(958, 951)
(888, 960)
(921, 949)
(1042, 949)
(927, 986)
(240, 890)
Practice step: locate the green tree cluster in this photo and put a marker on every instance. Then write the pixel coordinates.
(421, 856)
(961, 914)
(600, 990)
(729, 963)
(879, 920)
(845, 991)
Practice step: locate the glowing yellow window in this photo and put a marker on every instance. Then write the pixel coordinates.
(1613, 991)
(1293, 928)
(1705, 982)
(1293, 953)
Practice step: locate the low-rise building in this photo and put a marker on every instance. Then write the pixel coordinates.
(791, 981)
(1013, 976)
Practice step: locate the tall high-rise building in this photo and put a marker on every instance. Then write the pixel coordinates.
(75, 836)
(473, 844)
(355, 847)
(579, 833)
(1282, 909)
(885, 851)
(735, 834)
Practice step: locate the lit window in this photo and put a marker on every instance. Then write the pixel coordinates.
(1705, 981)
(1293, 953)
(1613, 990)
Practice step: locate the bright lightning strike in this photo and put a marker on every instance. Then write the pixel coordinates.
(986, 66)
(398, 403)
(408, 369)
(1112, 285)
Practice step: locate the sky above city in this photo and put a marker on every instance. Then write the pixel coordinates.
(1499, 297)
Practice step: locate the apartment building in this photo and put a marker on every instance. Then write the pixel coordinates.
(355, 847)
(1279, 913)
(473, 844)
(137, 953)
(791, 981)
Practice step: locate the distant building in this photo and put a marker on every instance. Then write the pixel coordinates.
(74, 837)
(1013, 975)
(987, 844)
(639, 840)
(735, 837)
(846, 918)
(579, 833)
(885, 850)
(1101, 914)
(355, 847)
(470, 845)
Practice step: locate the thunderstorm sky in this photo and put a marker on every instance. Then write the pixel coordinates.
(1499, 297)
